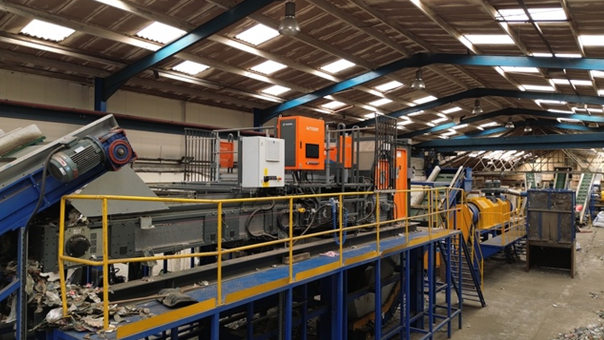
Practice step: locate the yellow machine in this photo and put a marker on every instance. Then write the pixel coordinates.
(489, 214)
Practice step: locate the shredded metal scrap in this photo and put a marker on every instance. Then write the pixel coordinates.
(84, 304)
(593, 332)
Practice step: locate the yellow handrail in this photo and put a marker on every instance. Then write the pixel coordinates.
(220, 252)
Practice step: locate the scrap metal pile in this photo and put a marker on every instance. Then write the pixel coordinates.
(84, 304)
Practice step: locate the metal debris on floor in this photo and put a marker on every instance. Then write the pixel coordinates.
(592, 332)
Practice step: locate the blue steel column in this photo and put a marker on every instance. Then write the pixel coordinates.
(431, 290)
(406, 301)
(337, 305)
(215, 326)
(303, 313)
(250, 318)
(288, 313)
(378, 298)
(21, 330)
(100, 104)
(448, 282)
(344, 304)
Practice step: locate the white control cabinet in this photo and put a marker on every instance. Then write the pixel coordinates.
(263, 162)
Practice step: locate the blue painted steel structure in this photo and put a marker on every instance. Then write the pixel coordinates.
(419, 315)
(108, 86)
(514, 111)
(422, 59)
(543, 142)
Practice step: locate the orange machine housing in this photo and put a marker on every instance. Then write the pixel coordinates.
(400, 198)
(344, 153)
(226, 155)
(304, 142)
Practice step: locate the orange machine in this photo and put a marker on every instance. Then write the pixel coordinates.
(345, 152)
(400, 198)
(304, 142)
(226, 155)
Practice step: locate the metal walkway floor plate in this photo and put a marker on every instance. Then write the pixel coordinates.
(256, 284)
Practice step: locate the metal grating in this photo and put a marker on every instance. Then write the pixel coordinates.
(200, 157)
(385, 152)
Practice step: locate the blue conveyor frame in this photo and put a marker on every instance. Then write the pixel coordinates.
(419, 315)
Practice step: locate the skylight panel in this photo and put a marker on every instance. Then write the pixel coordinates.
(439, 120)
(550, 102)
(541, 88)
(559, 81)
(461, 126)
(579, 109)
(547, 14)
(337, 66)
(449, 133)
(537, 14)
(515, 14)
(276, 90)
(442, 115)
(568, 55)
(542, 55)
(451, 110)
(333, 105)
(561, 111)
(600, 92)
(594, 110)
(161, 33)
(190, 67)
(372, 115)
(430, 124)
(489, 39)
(489, 124)
(516, 69)
(592, 40)
(44, 30)
(389, 86)
(578, 82)
(405, 122)
(416, 113)
(568, 120)
(268, 67)
(424, 100)
(597, 74)
(257, 34)
(380, 102)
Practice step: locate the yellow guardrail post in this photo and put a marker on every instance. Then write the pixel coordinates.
(61, 264)
(105, 266)
(377, 221)
(219, 259)
(340, 199)
(291, 240)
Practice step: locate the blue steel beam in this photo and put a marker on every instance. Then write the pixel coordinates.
(543, 142)
(423, 59)
(231, 16)
(481, 92)
(531, 123)
(510, 112)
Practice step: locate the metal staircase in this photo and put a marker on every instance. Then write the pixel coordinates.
(468, 285)
(560, 180)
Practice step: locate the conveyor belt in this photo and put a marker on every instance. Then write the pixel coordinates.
(256, 284)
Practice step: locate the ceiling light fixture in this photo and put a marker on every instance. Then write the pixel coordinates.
(418, 83)
(528, 129)
(477, 109)
(289, 25)
(510, 124)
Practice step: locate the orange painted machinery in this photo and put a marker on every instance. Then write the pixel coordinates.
(304, 142)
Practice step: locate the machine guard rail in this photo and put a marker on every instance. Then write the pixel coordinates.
(433, 211)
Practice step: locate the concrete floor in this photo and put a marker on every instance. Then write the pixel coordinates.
(539, 304)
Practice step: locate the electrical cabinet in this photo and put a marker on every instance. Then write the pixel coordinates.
(262, 162)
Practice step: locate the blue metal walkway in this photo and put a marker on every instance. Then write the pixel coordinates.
(261, 284)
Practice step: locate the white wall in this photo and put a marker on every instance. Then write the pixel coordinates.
(43, 90)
